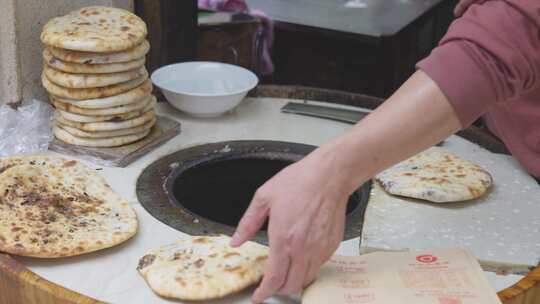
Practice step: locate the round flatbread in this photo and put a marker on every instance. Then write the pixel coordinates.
(95, 29)
(202, 268)
(107, 134)
(91, 93)
(86, 58)
(110, 142)
(129, 97)
(81, 68)
(108, 125)
(436, 176)
(85, 81)
(99, 118)
(108, 111)
(52, 207)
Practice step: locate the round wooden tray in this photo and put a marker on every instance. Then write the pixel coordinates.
(19, 285)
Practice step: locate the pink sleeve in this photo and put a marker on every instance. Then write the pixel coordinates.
(490, 55)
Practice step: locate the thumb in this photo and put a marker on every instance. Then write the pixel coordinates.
(251, 222)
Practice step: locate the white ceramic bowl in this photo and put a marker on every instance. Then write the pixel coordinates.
(204, 89)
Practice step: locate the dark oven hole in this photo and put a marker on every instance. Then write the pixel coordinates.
(221, 190)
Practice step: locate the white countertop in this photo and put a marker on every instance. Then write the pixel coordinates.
(110, 275)
(501, 228)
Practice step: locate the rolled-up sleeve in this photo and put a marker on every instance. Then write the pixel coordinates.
(490, 55)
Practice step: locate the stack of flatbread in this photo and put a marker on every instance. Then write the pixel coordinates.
(94, 72)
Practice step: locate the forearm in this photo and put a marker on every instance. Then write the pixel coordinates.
(416, 117)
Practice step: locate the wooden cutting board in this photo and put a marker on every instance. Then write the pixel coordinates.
(164, 130)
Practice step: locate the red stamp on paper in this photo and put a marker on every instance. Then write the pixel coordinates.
(449, 300)
(427, 258)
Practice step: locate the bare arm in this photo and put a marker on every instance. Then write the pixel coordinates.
(489, 56)
(306, 202)
(416, 117)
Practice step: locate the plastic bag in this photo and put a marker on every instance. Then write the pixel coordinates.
(27, 130)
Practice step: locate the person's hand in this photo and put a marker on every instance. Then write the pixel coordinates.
(463, 5)
(305, 204)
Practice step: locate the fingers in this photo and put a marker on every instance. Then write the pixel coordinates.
(311, 274)
(296, 274)
(275, 274)
(338, 229)
(333, 239)
(252, 221)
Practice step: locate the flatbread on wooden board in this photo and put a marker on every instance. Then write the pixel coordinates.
(83, 68)
(143, 91)
(202, 268)
(436, 176)
(95, 29)
(52, 207)
(86, 81)
(91, 93)
(109, 142)
(108, 125)
(107, 111)
(87, 58)
(106, 134)
(114, 117)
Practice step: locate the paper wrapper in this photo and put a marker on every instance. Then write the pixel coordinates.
(451, 276)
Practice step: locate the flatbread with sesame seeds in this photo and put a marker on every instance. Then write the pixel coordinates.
(436, 176)
(84, 68)
(108, 125)
(106, 134)
(68, 107)
(87, 58)
(131, 96)
(202, 268)
(110, 142)
(95, 29)
(91, 93)
(51, 207)
(114, 117)
(87, 81)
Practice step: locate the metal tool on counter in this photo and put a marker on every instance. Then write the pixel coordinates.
(326, 112)
(342, 115)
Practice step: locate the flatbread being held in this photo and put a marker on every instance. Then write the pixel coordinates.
(52, 207)
(436, 176)
(91, 93)
(85, 81)
(87, 58)
(202, 268)
(83, 68)
(143, 91)
(95, 29)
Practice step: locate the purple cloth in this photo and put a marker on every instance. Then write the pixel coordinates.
(267, 28)
(224, 5)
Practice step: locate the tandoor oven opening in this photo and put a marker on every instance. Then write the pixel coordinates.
(207, 188)
(221, 190)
